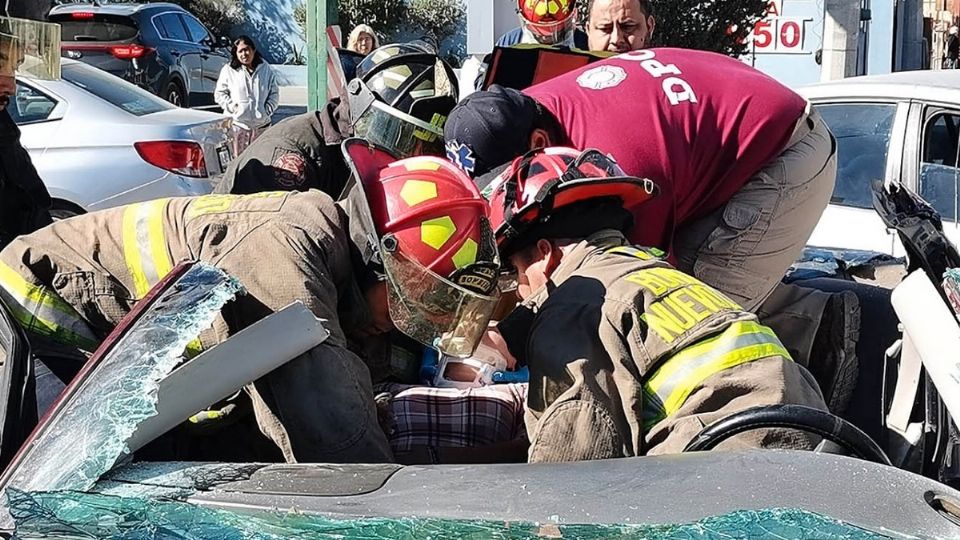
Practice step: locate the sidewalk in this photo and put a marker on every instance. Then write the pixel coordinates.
(293, 101)
(293, 91)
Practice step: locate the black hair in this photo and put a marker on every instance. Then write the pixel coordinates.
(546, 121)
(574, 222)
(248, 41)
(645, 7)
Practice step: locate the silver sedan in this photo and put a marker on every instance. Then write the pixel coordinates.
(98, 141)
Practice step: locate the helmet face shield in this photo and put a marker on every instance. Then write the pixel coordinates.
(550, 22)
(551, 33)
(593, 164)
(433, 310)
(30, 48)
(400, 133)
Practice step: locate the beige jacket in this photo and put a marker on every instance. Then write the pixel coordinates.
(69, 284)
(629, 356)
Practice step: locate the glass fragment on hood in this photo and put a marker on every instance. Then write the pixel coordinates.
(86, 515)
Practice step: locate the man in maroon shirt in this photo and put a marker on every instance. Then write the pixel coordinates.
(745, 165)
(745, 168)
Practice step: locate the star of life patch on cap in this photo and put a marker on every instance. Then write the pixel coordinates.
(462, 156)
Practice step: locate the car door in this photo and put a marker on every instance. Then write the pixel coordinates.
(936, 163)
(183, 52)
(213, 58)
(869, 146)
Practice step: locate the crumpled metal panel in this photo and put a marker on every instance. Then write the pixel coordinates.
(175, 480)
(85, 516)
(88, 437)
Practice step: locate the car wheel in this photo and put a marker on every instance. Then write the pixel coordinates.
(175, 94)
(62, 210)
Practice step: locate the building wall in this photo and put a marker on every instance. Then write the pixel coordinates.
(271, 25)
(487, 20)
(938, 16)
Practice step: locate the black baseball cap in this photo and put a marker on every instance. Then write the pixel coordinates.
(489, 128)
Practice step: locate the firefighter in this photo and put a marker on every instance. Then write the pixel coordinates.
(411, 238)
(546, 22)
(26, 46)
(745, 165)
(627, 356)
(400, 99)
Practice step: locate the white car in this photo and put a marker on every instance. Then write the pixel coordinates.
(897, 128)
(98, 141)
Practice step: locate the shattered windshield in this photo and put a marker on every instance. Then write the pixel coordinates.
(87, 437)
(82, 515)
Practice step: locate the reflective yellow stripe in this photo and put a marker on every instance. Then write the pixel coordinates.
(40, 310)
(145, 246)
(194, 347)
(670, 385)
(631, 251)
(146, 251)
(645, 254)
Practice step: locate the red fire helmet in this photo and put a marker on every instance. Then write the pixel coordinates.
(435, 243)
(547, 180)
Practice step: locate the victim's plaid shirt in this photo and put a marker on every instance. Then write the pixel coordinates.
(450, 417)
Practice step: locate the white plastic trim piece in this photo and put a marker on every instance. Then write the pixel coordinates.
(934, 334)
(908, 382)
(223, 370)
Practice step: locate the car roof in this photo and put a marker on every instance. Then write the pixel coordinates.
(926, 85)
(113, 9)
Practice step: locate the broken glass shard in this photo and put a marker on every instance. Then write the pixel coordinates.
(89, 434)
(85, 515)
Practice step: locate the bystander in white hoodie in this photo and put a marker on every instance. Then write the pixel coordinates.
(250, 98)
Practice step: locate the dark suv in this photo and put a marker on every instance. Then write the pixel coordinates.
(158, 46)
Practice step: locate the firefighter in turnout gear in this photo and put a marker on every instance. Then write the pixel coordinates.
(70, 284)
(627, 356)
(400, 100)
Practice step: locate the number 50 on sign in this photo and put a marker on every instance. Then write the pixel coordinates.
(783, 35)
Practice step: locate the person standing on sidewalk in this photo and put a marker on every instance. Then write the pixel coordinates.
(953, 49)
(247, 90)
(363, 39)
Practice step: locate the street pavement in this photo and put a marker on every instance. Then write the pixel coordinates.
(293, 101)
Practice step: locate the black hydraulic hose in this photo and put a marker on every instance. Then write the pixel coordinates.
(822, 423)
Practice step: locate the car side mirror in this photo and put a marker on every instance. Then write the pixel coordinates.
(224, 42)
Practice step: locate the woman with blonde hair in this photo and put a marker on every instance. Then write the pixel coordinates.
(363, 39)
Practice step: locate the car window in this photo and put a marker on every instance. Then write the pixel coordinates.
(31, 105)
(170, 27)
(863, 140)
(114, 90)
(198, 32)
(939, 172)
(95, 27)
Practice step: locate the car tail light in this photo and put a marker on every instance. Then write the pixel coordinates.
(128, 52)
(180, 157)
(82, 15)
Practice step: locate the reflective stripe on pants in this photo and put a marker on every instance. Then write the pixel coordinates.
(40, 310)
(666, 390)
